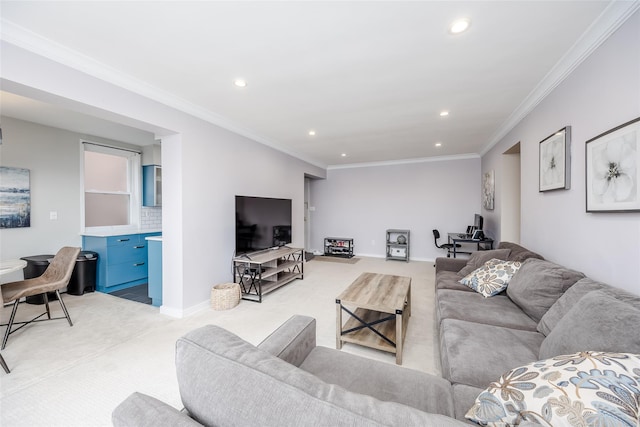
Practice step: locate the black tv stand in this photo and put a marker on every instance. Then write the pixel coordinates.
(338, 247)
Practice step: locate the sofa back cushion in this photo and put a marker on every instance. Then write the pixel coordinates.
(517, 252)
(566, 302)
(597, 322)
(538, 285)
(224, 380)
(477, 259)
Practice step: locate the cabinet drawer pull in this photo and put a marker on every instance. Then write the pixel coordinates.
(138, 264)
(139, 247)
(123, 240)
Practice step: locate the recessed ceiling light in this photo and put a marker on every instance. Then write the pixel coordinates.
(444, 113)
(240, 82)
(460, 26)
(312, 133)
(438, 144)
(344, 154)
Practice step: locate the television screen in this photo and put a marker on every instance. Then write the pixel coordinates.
(262, 223)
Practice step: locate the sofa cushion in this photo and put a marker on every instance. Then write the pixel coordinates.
(598, 322)
(477, 259)
(390, 383)
(140, 410)
(464, 396)
(565, 302)
(492, 278)
(594, 389)
(473, 307)
(220, 377)
(476, 354)
(450, 280)
(538, 285)
(518, 253)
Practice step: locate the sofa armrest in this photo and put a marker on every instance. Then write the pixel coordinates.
(450, 264)
(140, 410)
(293, 340)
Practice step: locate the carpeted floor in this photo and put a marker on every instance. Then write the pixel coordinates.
(75, 376)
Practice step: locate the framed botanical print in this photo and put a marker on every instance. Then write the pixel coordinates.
(612, 179)
(555, 161)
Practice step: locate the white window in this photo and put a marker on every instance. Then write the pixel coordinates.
(111, 187)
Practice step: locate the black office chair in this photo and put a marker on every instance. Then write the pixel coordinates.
(447, 246)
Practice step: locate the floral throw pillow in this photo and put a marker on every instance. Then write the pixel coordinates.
(582, 389)
(492, 278)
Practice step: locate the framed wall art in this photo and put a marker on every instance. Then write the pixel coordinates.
(555, 161)
(15, 198)
(612, 161)
(488, 189)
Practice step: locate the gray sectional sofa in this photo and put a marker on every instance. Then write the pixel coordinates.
(546, 310)
(289, 381)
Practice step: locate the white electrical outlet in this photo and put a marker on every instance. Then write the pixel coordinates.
(373, 243)
(53, 215)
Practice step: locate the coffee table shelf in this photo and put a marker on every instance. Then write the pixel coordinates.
(366, 337)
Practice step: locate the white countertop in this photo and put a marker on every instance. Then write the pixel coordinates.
(11, 265)
(107, 233)
(154, 238)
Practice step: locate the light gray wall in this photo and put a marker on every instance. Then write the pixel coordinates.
(53, 158)
(364, 202)
(603, 92)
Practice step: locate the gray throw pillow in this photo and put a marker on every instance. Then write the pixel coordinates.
(538, 285)
(518, 253)
(477, 259)
(598, 322)
(566, 302)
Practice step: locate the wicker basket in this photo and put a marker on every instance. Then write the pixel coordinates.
(225, 296)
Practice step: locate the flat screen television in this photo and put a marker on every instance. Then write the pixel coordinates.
(262, 223)
(478, 222)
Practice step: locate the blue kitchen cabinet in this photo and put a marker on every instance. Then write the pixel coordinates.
(122, 260)
(154, 245)
(152, 185)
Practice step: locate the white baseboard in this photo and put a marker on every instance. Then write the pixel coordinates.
(179, 313)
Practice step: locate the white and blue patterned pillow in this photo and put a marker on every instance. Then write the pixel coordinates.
(492, 278)
(582, 389)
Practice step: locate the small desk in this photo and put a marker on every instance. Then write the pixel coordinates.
(482, 244)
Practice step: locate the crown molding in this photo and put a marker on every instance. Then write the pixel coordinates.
(615, 14)
(47, 48)
(405, 161)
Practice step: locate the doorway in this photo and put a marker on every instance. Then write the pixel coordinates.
(510, 195)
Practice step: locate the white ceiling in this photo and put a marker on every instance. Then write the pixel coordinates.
(369, 77)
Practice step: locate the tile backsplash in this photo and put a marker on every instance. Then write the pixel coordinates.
(151, 218)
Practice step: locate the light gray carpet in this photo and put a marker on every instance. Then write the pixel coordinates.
(75, 376)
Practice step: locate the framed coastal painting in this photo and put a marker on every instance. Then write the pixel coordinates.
(555, 161)
(15, 198)
(612, 179)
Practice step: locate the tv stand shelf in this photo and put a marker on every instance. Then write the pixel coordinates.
(261, 272)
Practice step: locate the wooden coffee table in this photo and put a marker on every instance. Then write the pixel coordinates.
(379, 306)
